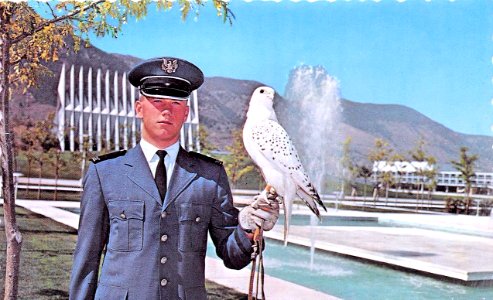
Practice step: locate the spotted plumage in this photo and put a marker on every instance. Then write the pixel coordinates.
(271, 148)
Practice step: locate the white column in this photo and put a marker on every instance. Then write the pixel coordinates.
(89, 109)
(125, 111)
(98, 110)
(196, 119)
(61, 110)
(71, 107)
(81, 109)
(107, 110)
(115, 111)
(134, 127)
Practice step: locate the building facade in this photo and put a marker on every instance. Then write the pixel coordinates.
(96, 113)
(409, 175)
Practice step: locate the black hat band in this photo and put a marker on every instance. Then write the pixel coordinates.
(165, 87)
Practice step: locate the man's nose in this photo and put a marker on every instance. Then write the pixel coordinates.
(166, 108)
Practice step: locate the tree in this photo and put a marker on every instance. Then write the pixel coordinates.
(206, 147)
(365, 173)
(238, 163)
(28, 39)
(57, 161)
(426, 174)
(384, 153)
(348, 168)
(465, 166)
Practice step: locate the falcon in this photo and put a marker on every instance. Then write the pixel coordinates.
(272, 150)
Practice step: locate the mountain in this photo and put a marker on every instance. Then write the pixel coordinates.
(223, 103)
(402, 127)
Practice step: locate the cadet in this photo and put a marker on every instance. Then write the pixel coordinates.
(150, 208)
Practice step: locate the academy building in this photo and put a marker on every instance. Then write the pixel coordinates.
(409, 174)
(96, 112)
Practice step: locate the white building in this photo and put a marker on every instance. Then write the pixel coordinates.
(407, 175)
(97, 111)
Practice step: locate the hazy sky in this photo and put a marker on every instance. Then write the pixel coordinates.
(434, 56)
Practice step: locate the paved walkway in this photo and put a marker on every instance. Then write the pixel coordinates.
(275, 288)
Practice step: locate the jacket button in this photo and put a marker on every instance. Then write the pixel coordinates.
(164, 259)
(164, 238)
(163, 215)
(164, 282)
(123, 216)
(197, 219)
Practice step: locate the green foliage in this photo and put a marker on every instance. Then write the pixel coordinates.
(238, 163)
(206, 147)
(427, 176)
(465, 166)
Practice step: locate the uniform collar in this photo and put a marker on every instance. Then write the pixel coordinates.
(149, 150)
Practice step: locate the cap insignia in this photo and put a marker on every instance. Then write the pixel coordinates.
(169, 66)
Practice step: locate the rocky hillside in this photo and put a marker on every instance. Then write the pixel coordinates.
(224, 101)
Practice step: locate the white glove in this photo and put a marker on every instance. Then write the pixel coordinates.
(263, 211)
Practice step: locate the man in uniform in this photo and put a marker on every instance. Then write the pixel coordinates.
(150, 209)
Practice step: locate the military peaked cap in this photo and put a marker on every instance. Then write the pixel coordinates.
(166, 77)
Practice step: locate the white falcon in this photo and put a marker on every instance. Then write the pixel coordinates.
(270, 147)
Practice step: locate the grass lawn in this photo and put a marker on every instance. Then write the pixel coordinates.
(46, 259)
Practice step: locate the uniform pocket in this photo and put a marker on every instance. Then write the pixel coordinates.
(126, 225)
(194, 221)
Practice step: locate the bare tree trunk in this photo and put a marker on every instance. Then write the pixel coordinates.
(12, 233)
(40, 175)
(57, 174)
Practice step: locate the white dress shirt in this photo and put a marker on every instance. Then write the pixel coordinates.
(152, 158)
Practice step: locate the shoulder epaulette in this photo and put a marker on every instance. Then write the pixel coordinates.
(206, 158)
(107, 156)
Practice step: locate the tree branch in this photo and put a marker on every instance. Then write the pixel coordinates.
(54, 20)
(52, 11)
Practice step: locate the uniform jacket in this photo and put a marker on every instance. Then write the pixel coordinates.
(153, 249)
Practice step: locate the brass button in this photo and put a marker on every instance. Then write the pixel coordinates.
(164, 259)
(163, 215)
(123, 216)
(164, 238)
(164, 282)
(197, 219)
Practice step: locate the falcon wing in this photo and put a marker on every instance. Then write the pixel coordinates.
(275, 145)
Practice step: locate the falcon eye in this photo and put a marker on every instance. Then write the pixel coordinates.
(262, 91)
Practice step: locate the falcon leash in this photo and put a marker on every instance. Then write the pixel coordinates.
(257, 266)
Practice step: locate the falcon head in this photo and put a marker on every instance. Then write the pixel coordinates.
(264, 92)
(261, 104)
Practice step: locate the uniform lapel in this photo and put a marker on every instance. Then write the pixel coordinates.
(140, 173)
(183, 174)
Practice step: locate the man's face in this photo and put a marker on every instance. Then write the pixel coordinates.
(162, 119)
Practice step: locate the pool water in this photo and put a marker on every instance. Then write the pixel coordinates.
(352, 279)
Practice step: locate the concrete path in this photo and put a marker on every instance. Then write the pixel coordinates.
(275, 289)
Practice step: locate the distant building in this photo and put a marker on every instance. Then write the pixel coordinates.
(406, 175)
(99, 114)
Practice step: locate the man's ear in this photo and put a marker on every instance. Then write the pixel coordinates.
(187, 111)
(138, 108)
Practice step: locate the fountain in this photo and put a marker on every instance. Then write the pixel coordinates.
(313, 112)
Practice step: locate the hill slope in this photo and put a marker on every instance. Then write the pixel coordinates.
(224, 101)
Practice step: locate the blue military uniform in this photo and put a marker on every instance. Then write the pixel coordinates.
(155, 248)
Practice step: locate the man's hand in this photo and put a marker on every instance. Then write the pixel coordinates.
(263, 211)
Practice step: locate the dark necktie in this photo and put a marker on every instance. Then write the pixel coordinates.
(160, 177)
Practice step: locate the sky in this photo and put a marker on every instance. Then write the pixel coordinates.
(433, 56)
